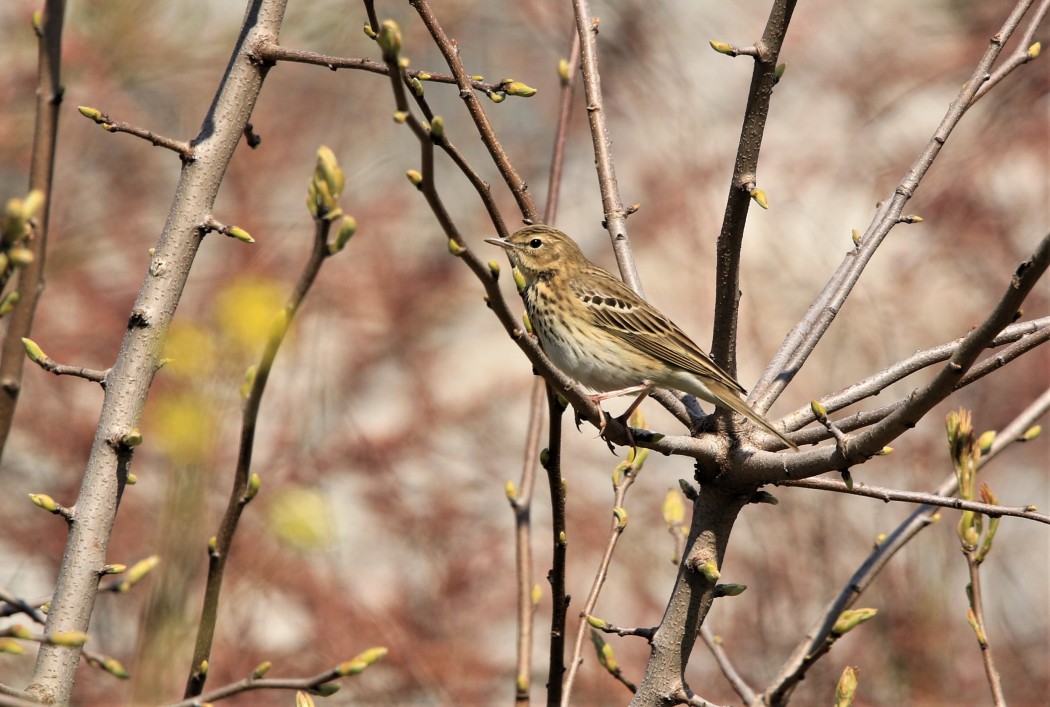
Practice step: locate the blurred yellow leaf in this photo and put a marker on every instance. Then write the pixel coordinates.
(246, 309)
(301, 517)
(183, 426)
(191, 349)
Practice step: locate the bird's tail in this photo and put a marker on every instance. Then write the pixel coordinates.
(729, 399)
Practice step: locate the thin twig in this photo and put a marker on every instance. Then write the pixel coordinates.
(240, 493)
(521, 504)
(740, 686)
(815, 643)
(30, 284)
(250, 683)
(804, 337)
(977, 606)
(568, 92)
(612, 204)
(622, 482)
(920, 497)
(61, 369)
(557, 576)
(180, 147)
(1021, 54)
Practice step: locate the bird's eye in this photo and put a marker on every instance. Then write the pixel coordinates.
(535, 243)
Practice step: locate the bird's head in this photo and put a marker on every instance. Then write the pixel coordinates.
(538, 250)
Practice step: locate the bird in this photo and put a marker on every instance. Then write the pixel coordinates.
(603, 335)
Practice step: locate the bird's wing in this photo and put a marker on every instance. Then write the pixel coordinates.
(619, 311)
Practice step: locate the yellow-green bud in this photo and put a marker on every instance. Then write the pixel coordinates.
(11, 646)
(673, 508)
(44, 501)
(563, 539)
(389, 39)
(496, 96)
(369, 32)
(424, 76)
(563, 70)
(303, 699)
(202, 669)
(400, 117)
(254, 484)
(1031, 433)
(132, 438)
(240, 234)
(264, 667)
(605, 653)
(621, 517)
(710, 571)
(819, 411)
(884, 452)
(33, 350)
(7, 304)
(596, 622)
(38, 21)
(1033, 51)
(856, 237)
(477, 77)
(730, 590)
(850, 619)
(403, 62)
(19, 257)
(455, 248)
(20, 631)
(33, 201)
(69, 639)
(911, 218)
(494, 269)
(519, 281)
(414, 176)
(722, 47)
(437, 127)
(92, 114)
(329, 170)
(131, 480)
(326, 689)
(139, 570)
(347, 229)
(527, 320)
(517, 88)
(362, 661)
(779, 71)
(847, 478)
(511, 490)
(417, 86)
(846, 688)
(536, 594)
(248, 382)
(113, 569)
(984, 442)
(115, 668)
(760, 198)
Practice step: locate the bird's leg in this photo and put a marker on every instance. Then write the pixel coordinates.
(643, 391)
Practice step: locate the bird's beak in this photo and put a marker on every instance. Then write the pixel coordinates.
(506, 245)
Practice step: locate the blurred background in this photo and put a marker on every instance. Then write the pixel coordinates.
(398, 407)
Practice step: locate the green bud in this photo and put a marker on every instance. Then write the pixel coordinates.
(113, 569)
(621, 517)
(131, 480)
(115, 668)
(44, 501)
(455, 248)
(325, 689)
(722, 48)
(92, 114)
(519, 280)
(517, 88)
(138, 571)
(819, 411)
(673, 508)
(605, 652)
(11, 646)
(494, 269)
(437, 127)
(496, 96)
(132, 438)
(847, 478)
(764, 497)
(328, 169)
(984, 442)
(846, 688)
(730, 590)
(760, 198)
(779, 71)
(417, 86)
(240, 234)
(7, 304)
(850, 619)
(563, 70)
(347, 229)
(369, 32)
(527, 321)
(710, 571)
(264, 667)
(362, 661)
(69, 639)
(563, 539)
(597, 623)
(254, 484)
(19, 257)
(33, 350)
(389, 39)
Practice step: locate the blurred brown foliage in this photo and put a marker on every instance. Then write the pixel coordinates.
(397, 411)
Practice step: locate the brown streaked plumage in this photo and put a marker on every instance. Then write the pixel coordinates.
(600, 333)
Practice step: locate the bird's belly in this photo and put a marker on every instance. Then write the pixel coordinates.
(598, 368)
